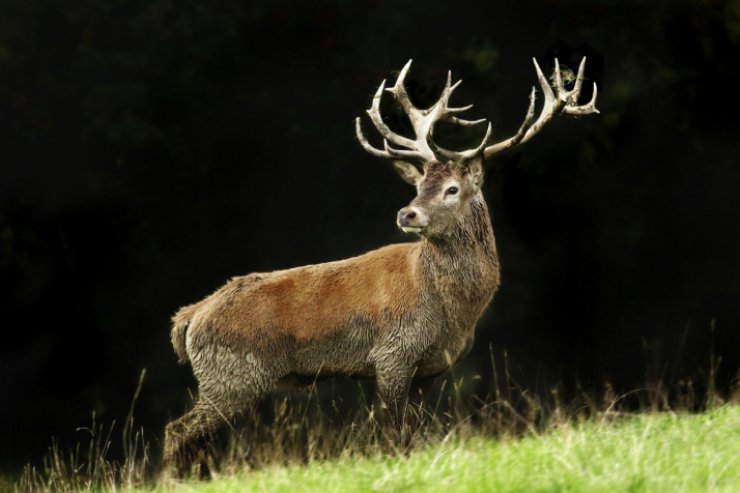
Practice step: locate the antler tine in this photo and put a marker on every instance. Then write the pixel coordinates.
(544, 85)
(447, 111)
(464, 123)
(385, 131)
(474, 152)
(576, 92)
(571, 108)
(557, 100)
(399, 91)
(558, 76)
(400, 153)
(460, 156)
(365, 144)
(444, 98)
(584, 109)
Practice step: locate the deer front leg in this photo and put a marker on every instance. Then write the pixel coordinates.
(393, 390)
(418, 392)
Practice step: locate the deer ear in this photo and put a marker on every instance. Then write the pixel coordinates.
(408, 172)
(476, 168)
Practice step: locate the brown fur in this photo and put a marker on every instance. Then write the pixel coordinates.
(313, 301)
(396, 313)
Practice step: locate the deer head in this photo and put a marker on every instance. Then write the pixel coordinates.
(446, 180)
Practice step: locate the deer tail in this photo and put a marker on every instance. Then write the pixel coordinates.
(180, 324)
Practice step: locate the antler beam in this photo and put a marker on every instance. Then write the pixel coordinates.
(422, 121)
(557, 100)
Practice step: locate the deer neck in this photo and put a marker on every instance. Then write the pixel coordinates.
(463, 267)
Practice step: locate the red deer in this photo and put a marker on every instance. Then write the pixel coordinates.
(397, 314)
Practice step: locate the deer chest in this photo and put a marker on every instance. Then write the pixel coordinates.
(445, 353)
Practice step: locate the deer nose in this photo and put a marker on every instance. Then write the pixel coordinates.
(405, 217)
(410, 217)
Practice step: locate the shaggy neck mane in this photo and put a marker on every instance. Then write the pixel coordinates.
(466, 260)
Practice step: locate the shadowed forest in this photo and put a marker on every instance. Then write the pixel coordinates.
(150, 150)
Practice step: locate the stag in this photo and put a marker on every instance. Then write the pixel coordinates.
(399, 314)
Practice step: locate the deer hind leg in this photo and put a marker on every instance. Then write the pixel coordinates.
(230, 384)
(182, 436)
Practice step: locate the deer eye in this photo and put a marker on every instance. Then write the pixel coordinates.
(451, 191)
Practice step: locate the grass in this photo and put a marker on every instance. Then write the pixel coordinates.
(654, 452)
(511, 442)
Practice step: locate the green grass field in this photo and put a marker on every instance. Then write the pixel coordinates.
(658, 452)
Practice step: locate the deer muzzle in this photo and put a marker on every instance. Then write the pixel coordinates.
(412, 220)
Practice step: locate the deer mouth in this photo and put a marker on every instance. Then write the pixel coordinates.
(411, 229)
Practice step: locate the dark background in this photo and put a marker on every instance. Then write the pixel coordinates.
(149, 150)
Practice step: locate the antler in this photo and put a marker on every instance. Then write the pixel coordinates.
(422, 121)
(557, 100)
